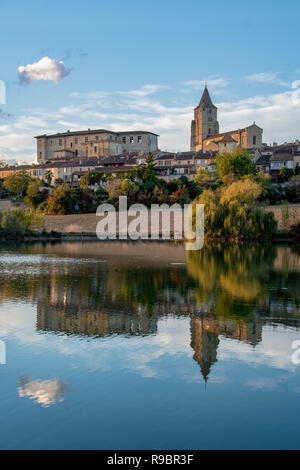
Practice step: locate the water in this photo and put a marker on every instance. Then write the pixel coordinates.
(146, 346)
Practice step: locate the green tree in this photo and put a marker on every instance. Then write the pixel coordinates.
(232, 212)
(148, 170)
(34, 196)
(60, 202)
(238, 164)
(285, 174)
(18, 183)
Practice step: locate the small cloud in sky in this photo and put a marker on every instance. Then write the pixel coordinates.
(97, 95)
(143, 91)
(210, 82)
(263, 77)
(266, 77)
(2, 92)
(295, 84)
(44, 69)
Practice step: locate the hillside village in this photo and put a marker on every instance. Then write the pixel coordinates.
(233, 174)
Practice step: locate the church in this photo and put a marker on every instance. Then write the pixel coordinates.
(205, 133)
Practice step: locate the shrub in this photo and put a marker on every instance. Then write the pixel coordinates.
(292, 190)
(238, 163)
(231, 212)
(34, 196)
(285, 174)
(14, 224)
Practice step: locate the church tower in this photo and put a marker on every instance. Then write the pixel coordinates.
(205, 122)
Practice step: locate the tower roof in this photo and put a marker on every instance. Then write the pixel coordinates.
(206, 99)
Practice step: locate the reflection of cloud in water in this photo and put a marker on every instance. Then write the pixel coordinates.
(46, 392)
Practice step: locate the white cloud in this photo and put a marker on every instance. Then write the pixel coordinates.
(266, 77)
(263, 77)
(45, 393)
(295, 84)
(44, 69)
(210, 82)
(93, 95)
(278, 114)
(144, 91)
(14, 142)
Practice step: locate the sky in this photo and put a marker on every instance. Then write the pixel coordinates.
(137, 65)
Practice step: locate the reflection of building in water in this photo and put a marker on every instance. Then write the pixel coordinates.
(205, 344)
(94, 322)
(205, 332)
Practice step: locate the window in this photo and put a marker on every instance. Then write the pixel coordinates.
(124, 140)
(60, 142)
(254, 140)
(97, 137)
(95, 149)
(40, 154)
(76, 140)
(86, 139)
(139, 139)
(71, 144)
(131, 140)
(209, 131)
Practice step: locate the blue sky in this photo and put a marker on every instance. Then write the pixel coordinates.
(142, 65)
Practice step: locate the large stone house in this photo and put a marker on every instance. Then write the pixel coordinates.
(93, 143)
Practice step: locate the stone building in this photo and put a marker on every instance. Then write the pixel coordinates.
(205, 130)
(93, 143)
(205, 122)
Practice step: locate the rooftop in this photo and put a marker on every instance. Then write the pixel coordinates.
(93, 131)
(206, 99)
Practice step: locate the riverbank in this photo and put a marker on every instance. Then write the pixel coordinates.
(286, 215)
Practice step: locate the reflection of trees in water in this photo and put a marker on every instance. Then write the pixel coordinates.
(239, 290)
(231, 279)
(227, 290)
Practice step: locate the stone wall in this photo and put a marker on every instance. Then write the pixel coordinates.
(7, 205)
(286, 215)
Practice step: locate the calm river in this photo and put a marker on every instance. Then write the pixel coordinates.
(146, 346)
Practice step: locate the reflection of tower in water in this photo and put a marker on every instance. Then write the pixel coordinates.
(205, 344)
(205, 332)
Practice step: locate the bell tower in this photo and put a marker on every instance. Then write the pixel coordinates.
(205, 122)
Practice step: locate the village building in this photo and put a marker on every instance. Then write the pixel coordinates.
(93, 143)
(205, 133)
